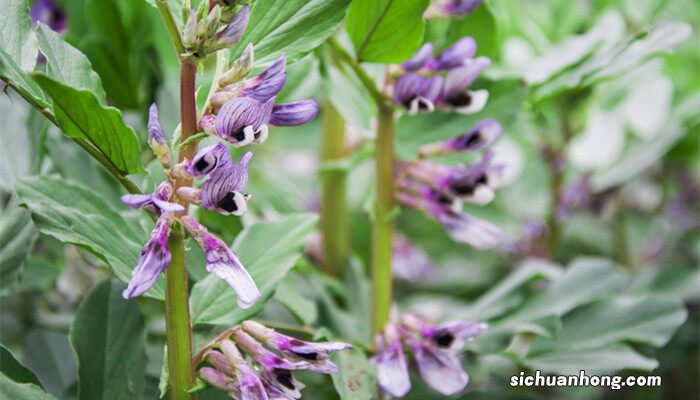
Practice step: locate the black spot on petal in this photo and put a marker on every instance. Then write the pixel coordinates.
(444, 339)
(460, 100)
(239, 135)
(284, 377)
(308, 356)
(228, 203)
(201, 165)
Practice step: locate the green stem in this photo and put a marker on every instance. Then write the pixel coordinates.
(383, 219)
(334, 219)
(170, 24)
(177, 320)
(366, 80)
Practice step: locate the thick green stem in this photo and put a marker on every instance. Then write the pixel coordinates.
(169, 21)
(177, 312)
(383, 219)
(334, 219)
(177, 320)
(366, 80)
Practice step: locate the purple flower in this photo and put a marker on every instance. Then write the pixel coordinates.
(153, 260)
(455, 96)
(409, 262)
(275, 370)
(294, 114)
(449, 336)
(439, 369)
(155, 203)
(482, 135)
(243, 120)
(315, 354)
(156, 139)
(49, 13)
(474, 183)
(222, 191)
(417, 93)
(390, 360)
(234, 31)
(578, 194)
(216, 378)
(207, 160)
(246, 384)
(460, 7)
(462, 228)
(456, 55)
(420, 58)
(224, 263)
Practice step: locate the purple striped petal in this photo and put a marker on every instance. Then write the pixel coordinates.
(153, 260)
(417, 93)
(294, 114)
(456, 55)
(224, 263)
(482, 135)
(460, 78)
(137, 200)
(209, 159)
(268, 88)
(233, 32)
(391, 363)
(222, 192)
(471, 230)
(243, 119)
(440, 370)
(419, 59)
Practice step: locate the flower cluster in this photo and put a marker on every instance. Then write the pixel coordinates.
(275, 357)
(238, 113)
(426, 81)
(208, 30)
(435, 350)
(439, 190)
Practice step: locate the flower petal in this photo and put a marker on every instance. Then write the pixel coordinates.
(440, 370)
(153, 260)
(459, 79)
(420, 58)
(471, 230)
(209, 159)
(294, 114)
(240, 113)
(457, 54)
(233, 32)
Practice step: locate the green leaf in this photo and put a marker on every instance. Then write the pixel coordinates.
(68, 65)
(108, 337)
(600, 276)
(386, 31)
(24, 391)
(50, 356)
(16, 36)
(617, 59)
(479, 24)
(268, 250)
(14, 370)
(17, 237)
(290, 296)
(80, 115)
(18, 142)
(649, 319)
(293, 27)
(74, 214)
(18, 50)
(355, 379)
(608, 359)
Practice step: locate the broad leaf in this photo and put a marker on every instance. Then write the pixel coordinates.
(18, 51)
(108, 337)
(74, 214)
(650, 319)
(268, 250)
(387, 31)
(291, 297)
(81, 116)
(68, 65)
(14, 370)
(356, 379)
(49, 355)
(608, 359)
(17, 237)
(16, 36)
(25, 391)
(293, 27)
(616, 59)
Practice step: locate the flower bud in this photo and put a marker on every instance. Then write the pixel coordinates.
(240, 68)
(213, 19)
(189, 34)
